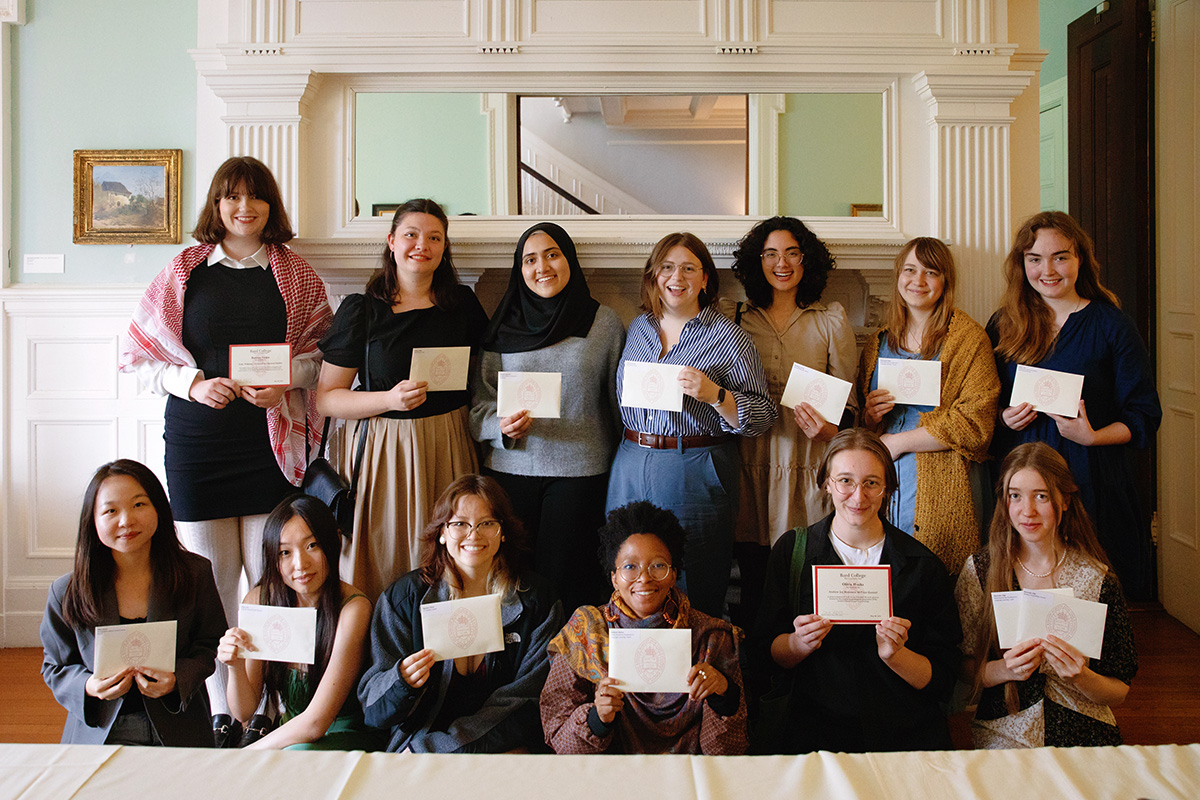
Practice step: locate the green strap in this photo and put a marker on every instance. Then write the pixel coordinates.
(799, 550)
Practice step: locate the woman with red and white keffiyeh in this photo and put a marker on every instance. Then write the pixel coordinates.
(232, 451)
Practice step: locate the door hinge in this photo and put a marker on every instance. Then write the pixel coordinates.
(1154, 529)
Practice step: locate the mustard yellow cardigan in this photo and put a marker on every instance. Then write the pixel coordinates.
(945, 517)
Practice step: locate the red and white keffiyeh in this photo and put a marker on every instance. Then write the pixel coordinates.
(156, 333)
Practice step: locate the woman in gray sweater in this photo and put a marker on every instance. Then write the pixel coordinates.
(555, 469)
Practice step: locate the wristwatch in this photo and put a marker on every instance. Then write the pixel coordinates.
(720, 397)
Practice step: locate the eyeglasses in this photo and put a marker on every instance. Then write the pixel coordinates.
(667, 268)
(657, 571)
(458, 528)
(792, 256)
(846, 486)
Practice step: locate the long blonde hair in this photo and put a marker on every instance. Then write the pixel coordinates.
(1025, 323)
(1075, 531)
(933, 254)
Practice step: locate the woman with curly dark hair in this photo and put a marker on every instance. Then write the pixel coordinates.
(584, 710)
(472, 546)
(783, 267)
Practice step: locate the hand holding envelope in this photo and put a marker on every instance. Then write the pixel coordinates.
(825, 393)
(650, 659)
(1047, 390)
(1039, 614)
(142, 652)
(278, 633)
(539, 393)
(466, 627)
(647, 384)
(912, 382)
(443, 368)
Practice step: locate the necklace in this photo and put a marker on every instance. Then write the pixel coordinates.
(1057, 564)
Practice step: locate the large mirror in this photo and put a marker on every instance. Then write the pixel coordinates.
(624, 154)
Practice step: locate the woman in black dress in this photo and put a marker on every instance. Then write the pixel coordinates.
(232, 451)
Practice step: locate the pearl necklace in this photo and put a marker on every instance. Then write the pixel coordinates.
(1057, 564)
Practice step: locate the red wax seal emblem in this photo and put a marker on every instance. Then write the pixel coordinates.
(1061, 622)
(462, 627)
(649, 660)
(1045, 391)
(135, 650)
(652, 385)
(439, 370)
(529, 394)
(908, 381)
(277, 633)
(815, 393)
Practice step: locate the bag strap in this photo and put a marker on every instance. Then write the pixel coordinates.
(796, 573)
(737, 314)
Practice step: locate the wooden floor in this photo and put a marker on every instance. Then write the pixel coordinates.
(1163, 706)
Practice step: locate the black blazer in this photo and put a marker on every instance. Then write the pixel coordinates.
(180, 718)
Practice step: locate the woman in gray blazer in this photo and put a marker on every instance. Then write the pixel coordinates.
(130, 568)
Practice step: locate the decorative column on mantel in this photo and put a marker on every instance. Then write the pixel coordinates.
(265, 117)
(970, 176)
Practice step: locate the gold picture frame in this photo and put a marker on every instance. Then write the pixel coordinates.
(866, 209)
(127, 197)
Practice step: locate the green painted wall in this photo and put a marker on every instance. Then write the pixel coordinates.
(93, 75)
(830, 153)
(421, 145)
(1053, 18)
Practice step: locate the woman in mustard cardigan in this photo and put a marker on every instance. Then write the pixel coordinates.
(939, 451)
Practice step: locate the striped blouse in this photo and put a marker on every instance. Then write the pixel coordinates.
(722, 351)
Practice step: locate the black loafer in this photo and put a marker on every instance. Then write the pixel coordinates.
(227, 731)
(258, 727)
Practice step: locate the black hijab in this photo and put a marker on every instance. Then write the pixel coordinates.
(524, 321)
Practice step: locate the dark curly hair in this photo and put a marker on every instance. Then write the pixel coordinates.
(640, 516)
(816, 260)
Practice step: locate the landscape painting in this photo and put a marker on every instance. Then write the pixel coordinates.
(127, 196)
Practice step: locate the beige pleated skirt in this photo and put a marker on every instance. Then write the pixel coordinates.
(407, 465)
(779, 489)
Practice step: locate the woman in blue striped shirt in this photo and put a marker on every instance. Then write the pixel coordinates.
(687, 461)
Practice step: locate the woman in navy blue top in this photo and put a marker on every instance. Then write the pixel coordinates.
(1057, 315)
(687, 461)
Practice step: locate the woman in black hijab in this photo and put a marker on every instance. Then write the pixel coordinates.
(555, 468)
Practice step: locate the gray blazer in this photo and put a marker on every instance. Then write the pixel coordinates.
(181, 718)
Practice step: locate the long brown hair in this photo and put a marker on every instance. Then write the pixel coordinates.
(651, 300)
(1075, 531)
(1025, 323)
(94, 572)
(385, 283)
(254, 176)
(935, 255)
(436, 562)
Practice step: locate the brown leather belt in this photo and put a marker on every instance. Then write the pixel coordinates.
(659, 442)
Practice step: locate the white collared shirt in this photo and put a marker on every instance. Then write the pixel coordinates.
(853, 557)
(258, 259)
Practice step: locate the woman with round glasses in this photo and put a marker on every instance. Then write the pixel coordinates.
(1056, 314)
(938, 450)
(476, 704)
(783, 267)
(687, 461)
(584, 710)
(858, 687)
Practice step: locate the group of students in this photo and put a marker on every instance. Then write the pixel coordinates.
(683, 492)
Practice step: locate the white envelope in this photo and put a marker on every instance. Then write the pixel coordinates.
(539, 392)
(825, 393)
(650, 659)
(279, 633)
(646, 384)
(445, 368)
(142, 644)
(852, 595)
(912, 382)
(1047, 390)
(467, 627)
(1006, 607)
(261, 364)
(1077, 622)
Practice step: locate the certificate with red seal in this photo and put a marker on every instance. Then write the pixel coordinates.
(279, 633)
(141, 644)
(824, 393)
(539, 393)
(650, 659)
(852, 595)
(1047, 390)
(467, 627)
(913, 382)
(647, 384)
(443, 368)
(261, 364)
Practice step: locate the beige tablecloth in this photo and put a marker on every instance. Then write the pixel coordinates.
(76, 771)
